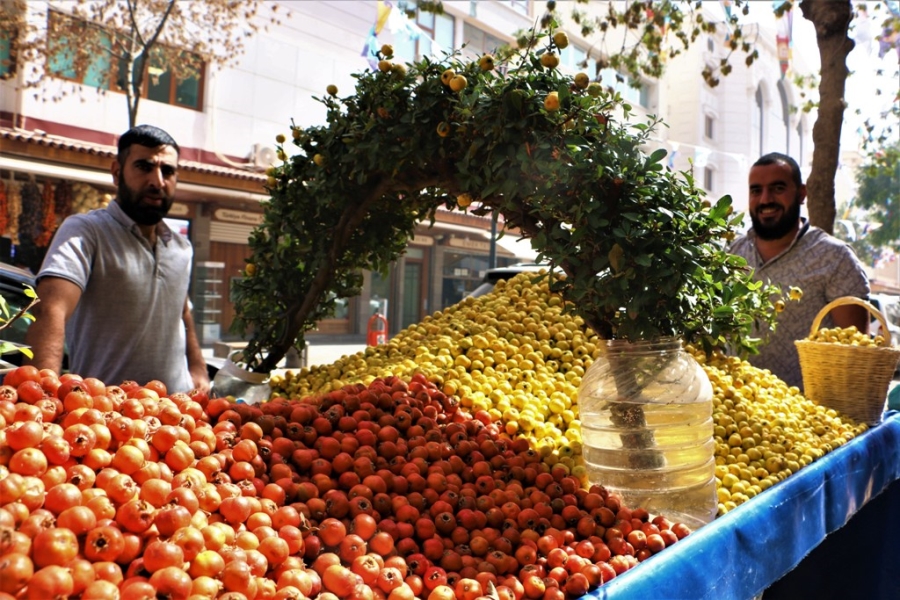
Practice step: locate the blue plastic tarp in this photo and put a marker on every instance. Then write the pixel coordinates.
(745, 551)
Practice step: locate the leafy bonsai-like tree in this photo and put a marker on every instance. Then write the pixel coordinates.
(643, 251)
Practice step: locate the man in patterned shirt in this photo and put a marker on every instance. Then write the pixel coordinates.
(785, 250)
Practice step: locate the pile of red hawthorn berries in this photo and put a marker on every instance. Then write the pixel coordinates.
(389, 491)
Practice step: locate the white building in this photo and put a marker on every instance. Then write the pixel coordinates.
(226, 122)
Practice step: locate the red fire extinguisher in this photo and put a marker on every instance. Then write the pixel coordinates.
(377, 330)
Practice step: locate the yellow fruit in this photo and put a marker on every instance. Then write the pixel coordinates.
(550, 60)
(319, 160)
(551, 102)
(280, 138)
(443, 129)
(447, 75)
(398, 70)
(464, 200)
(296, 133)
(387, 51)
(385, 66)
(271, 182)
(779, 306)
(281, 155)
(332, 90)
(796, 293)
(458, 83)
(250, 269)
(594, 89)
(560, 39)
(271, 171)
(486, 63)
(582, 81)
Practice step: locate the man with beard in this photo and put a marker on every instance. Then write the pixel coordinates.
(114, 282)
(785, 250)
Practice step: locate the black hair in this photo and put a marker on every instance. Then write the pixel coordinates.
(774, 157)
(144, 135)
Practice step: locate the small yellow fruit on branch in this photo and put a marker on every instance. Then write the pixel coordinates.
(458, 83)
(551, 102)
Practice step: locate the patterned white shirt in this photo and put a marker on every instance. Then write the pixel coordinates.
(825, 268)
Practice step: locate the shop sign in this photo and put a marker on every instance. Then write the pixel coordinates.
(422, 240)
(469, 244)
(179, 210)
(238, 216)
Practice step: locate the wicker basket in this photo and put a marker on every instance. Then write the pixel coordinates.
(853, 380)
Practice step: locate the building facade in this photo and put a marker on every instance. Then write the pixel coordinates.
(226, 121)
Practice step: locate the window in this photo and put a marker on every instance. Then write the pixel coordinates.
(758, 121)
(520, 6)
(621, 83)
(7, 56)
(573, 57)
(479, 42)
(161, 85)
(708, 177)
(785, 116)
(435, 36)
(709, 127)
(68, 59)
(82, 64)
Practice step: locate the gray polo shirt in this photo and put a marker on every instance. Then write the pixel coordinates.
(128, 324)
(825, 268)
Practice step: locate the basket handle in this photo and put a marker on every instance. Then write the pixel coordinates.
(844, 301)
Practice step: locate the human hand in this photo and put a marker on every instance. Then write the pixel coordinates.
(200, 378)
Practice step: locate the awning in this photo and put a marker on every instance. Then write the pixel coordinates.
(521, 248)
(105, 179)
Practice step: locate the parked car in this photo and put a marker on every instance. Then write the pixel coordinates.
(492, 276)
(889, 305)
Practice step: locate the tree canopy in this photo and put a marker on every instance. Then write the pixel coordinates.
(120, 44)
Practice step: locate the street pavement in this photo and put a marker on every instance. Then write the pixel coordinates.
(322, 352)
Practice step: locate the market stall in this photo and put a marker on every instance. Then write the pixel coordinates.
(852, 494)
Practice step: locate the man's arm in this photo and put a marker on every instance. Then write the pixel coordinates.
(47, 334)
(196, 364)
(851, 314)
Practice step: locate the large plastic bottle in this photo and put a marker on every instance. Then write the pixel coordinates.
(240, 383)
(646, 418)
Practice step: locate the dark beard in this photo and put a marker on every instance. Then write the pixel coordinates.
(782, 227)
(140, 213)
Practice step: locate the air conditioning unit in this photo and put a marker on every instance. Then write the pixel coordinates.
(263, 156)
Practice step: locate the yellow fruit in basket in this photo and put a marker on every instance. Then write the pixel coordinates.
(848, 336)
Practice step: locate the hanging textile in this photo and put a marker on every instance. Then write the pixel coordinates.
(14, 199)
(44, 233)
(4, 209)
(784, 38)
(371, 47)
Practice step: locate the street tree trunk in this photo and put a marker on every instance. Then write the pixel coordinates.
(831, 19)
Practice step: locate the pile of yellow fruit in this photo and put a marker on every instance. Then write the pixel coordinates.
(850, 336)
(515, 354)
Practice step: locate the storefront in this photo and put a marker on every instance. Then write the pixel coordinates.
(49, 177)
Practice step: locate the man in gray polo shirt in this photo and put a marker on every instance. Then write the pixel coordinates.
(785, 250)
(114, 283)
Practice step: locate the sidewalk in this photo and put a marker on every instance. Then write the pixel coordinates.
(321, 350)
